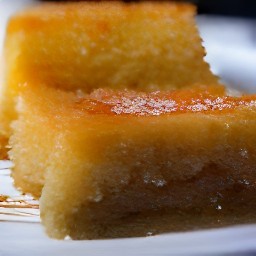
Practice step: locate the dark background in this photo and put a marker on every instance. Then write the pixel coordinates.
(242, 8)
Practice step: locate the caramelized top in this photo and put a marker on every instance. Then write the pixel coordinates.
(204, 100)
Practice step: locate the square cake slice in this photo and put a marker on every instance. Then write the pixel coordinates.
(87, 45)
(120, 164)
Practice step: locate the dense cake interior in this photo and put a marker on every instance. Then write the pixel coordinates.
(147, 203)
(125, 173)
(40, 119)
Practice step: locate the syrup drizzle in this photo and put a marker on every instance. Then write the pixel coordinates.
(14, 206)
(7, 202)
(158, 103)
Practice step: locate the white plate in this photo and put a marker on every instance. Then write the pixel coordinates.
(231, 47)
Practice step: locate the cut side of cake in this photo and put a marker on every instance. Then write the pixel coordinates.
(141, 46)
(30, 165)
(121, 164)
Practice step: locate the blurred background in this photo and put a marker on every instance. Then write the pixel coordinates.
(242, 8)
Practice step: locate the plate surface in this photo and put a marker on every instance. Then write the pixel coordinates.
(231, 47)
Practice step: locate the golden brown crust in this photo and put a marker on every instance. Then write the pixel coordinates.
(196, 100)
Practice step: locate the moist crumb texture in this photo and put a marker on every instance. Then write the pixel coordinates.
(107, 174)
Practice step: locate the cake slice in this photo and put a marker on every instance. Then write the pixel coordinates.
(31, 144)
(122, 164)
(86, 45)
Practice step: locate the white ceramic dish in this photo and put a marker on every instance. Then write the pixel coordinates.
(231, 47)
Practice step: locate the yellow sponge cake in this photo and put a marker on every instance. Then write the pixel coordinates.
(122, 164)
(142, 46)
